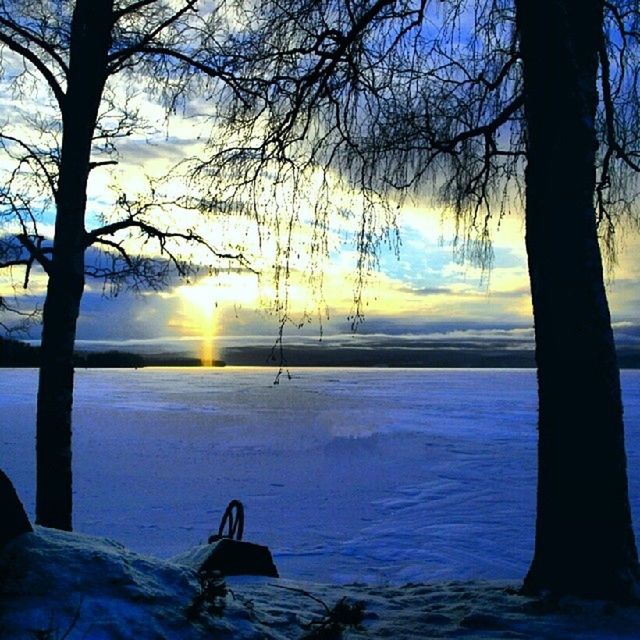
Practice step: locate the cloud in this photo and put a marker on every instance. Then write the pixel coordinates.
(127, 316)
(427, 291)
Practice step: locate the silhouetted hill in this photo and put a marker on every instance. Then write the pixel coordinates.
(14, 353)
(454, 355)
(110, 359)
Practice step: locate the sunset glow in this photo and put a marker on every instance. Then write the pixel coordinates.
(205, 303)
(200, 308)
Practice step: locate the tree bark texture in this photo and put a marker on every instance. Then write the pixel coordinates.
(90, 43)
(584, 538)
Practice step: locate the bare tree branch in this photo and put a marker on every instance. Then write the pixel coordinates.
(132, 8)
(35, 39)
(162, 235)
(36, 157)
(17, 262)
(101, 163)
(609, 108)
(42, 68)
(36, 252)
(120, 58)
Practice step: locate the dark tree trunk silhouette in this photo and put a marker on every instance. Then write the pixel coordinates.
(87, 54)
(90, 42)
(584, 538)
(448, 119)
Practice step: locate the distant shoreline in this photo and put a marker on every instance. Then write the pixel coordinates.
(17, 354)
(14, 353)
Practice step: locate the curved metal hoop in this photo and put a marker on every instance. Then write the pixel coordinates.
(233, 519)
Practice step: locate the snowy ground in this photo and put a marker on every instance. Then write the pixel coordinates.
(66, 586)
(380, 477)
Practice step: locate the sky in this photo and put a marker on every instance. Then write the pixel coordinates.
(420, 291)
(420, 295)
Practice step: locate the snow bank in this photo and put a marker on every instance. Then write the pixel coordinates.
(59, 585)
(56, 583)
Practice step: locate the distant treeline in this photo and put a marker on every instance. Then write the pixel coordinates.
(14, 353)
(456, 356)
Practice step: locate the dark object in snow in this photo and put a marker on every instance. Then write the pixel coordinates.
(238, 558)
(12, 514)
(233, 518)
(343, 615)
(233, 557)
(211, 597)
(230, 555)
(227, 553)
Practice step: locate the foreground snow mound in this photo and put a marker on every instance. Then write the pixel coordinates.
(56, 584)
(65, 586)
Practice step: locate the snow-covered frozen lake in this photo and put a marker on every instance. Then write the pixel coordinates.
(368, 475)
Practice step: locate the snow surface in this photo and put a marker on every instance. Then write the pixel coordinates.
(67, 586)
(372, 476)
(416, 484)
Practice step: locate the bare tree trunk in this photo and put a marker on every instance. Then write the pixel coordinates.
(90, 42)
(584, 537)
(55, 398)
